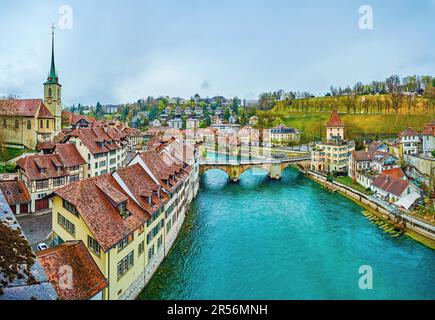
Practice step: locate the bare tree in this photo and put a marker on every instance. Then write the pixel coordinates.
(395, 91)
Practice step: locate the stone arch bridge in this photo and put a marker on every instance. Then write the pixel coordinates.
(273, 167)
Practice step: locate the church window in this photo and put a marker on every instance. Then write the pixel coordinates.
(49, 92)
(48, 124)
(17, 124)
(41, 124)
(29, 124)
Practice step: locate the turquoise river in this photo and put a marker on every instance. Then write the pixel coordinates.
(287, 239)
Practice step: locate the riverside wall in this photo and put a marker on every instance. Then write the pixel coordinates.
(422, 228)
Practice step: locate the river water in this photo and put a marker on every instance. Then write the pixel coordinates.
(287, 239)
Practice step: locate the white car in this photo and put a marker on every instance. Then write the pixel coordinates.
(42, 246)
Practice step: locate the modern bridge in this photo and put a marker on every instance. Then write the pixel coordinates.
(235, 168)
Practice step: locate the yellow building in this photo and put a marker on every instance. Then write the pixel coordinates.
(25, 122)
(332, 155)
(128, 219)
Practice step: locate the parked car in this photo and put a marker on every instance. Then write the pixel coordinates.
(42, 246)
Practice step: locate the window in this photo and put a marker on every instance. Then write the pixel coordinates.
(94, 246)
(125, 242)
(74, 168)
(96, 165)
(141, 248)
(74, 178)
(66, 224)
(17, 124)
(29, 125)
(47, 124)
(70, 207)
(50, 92)
(160, 242)
(41, 184)
(151, 235)
(57, 182)
(151, 252)
(141, 230)
(125, 264)
(5, 125)
(41, 124)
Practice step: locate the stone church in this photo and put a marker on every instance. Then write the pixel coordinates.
(25, 122)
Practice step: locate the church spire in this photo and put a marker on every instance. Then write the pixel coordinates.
(52, 77)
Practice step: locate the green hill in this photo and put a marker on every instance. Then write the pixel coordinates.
(357, 125)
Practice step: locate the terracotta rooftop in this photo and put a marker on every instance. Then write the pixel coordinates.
(361, 156)
(87, 279)
(379, 156)
(99, 213)
(69, 154)
(335, 120)
(391, 184)
(409, 132)
(429, 129)
(142, 186)
(24, 108)
(15, 192)
(44, 113)
(98, 139)
(34, 164)
(44, 145)
(396, 172)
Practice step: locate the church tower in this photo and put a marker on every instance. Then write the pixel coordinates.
(53, 91)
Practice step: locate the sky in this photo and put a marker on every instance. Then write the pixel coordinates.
(114, 51)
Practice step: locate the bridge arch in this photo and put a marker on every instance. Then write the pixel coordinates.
(253, 168)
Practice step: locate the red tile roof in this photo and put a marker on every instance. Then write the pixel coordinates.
(162, 171)
(99, 139)
(429, 129)
(361, 156)
(99, 213)
(409, 132)
(379, 156)
(69, 154)
(15, 192)
(391, 184)
(143, 188)
(33, 164)
(24, 108)
(335, 120)
(87, 279)
(45, 145)
(44, 113)
(396, 172)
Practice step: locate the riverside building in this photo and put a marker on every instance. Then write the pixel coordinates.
(333, 153)
(129, 219)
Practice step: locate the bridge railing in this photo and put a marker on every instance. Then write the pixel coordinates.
(221, 162)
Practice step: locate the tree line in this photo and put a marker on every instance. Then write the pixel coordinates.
(413, 94)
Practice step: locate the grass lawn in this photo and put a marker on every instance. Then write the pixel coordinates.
(349, 182)
(357, 125)
(10, 153)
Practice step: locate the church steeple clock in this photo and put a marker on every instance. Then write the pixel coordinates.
(53, 91)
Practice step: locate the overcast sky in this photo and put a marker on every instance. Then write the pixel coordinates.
(120, 51)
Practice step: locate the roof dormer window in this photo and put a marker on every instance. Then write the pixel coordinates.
(122, 209)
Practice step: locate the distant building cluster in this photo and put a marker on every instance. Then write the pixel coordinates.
(394, 170)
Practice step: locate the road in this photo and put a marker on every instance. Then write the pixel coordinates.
(37, 228)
